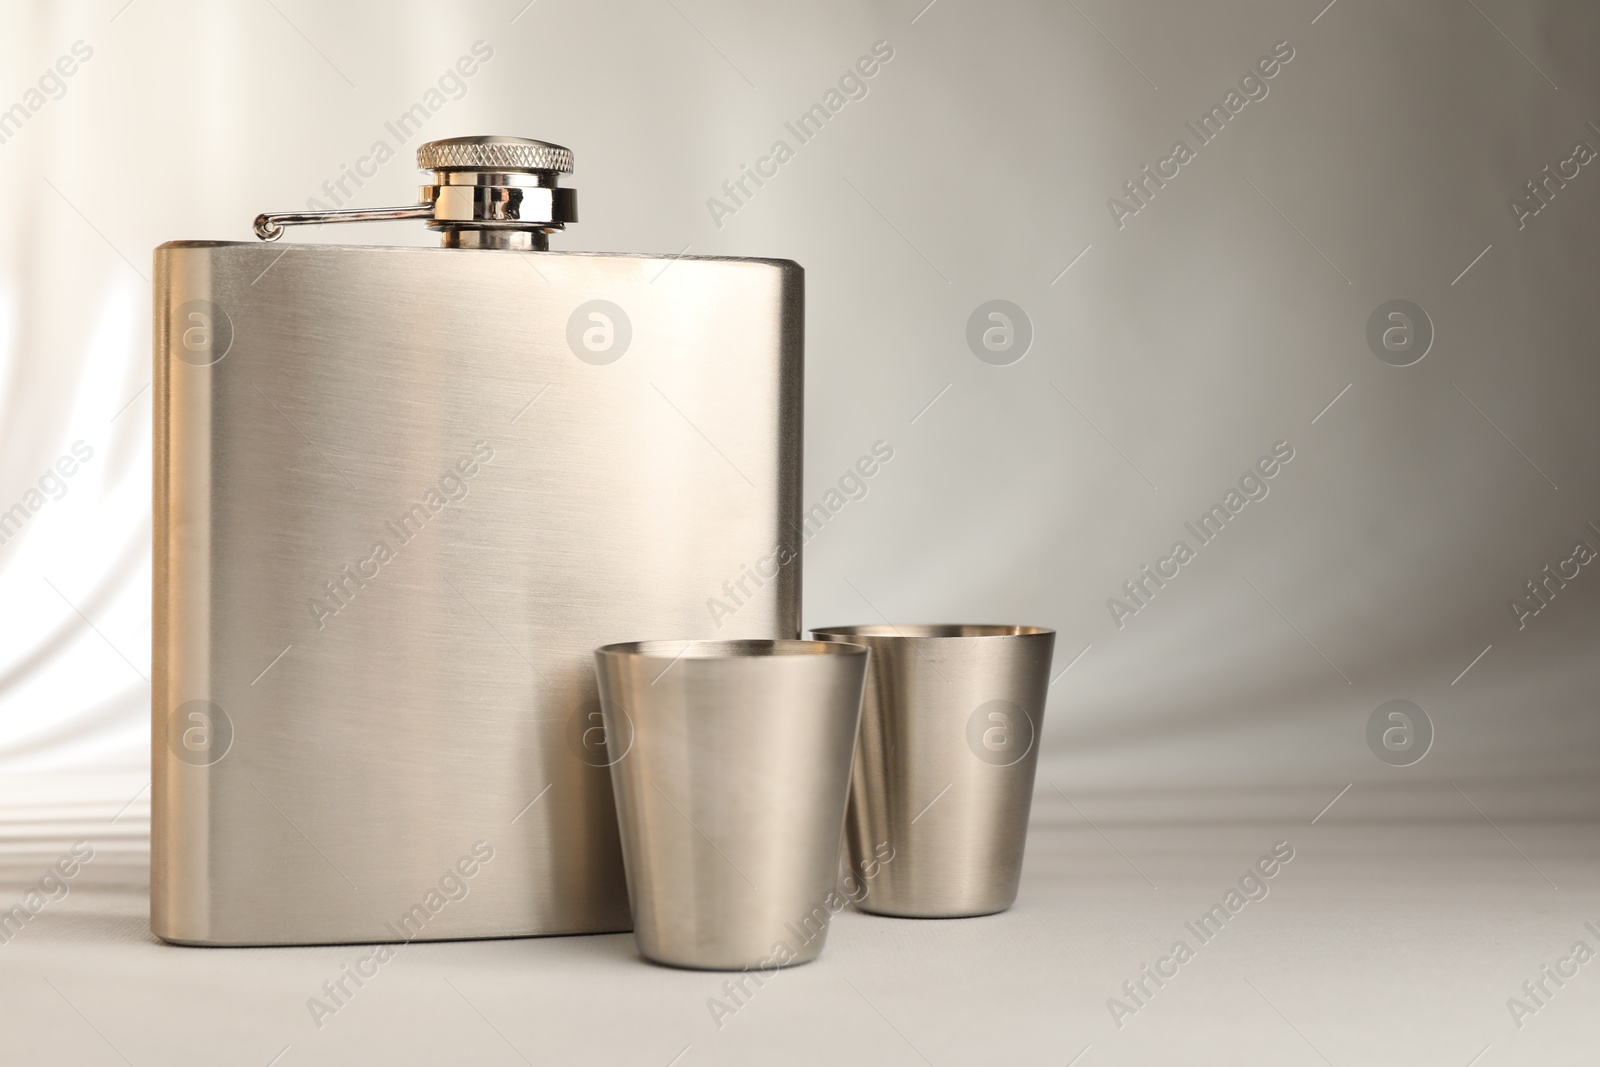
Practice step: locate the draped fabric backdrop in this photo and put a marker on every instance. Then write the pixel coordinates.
(1175, 341)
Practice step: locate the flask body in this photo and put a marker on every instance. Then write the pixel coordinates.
(400, 496)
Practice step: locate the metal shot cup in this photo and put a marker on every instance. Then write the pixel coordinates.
(944, 768)
(730, 761)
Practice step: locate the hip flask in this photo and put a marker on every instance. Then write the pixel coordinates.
(400, 495)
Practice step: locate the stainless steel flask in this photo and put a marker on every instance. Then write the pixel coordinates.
(400, 496)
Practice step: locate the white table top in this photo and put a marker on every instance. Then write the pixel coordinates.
(1380, 942)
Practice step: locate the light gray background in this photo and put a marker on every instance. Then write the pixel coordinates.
(1167, 356)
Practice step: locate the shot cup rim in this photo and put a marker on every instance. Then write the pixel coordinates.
(729, 650)
(935, 631)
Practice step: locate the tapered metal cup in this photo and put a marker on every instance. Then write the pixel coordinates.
(731, 768)
(944, 770)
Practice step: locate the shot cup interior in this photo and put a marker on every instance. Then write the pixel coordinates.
(668, 651)
(930, 630)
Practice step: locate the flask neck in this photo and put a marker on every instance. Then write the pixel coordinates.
(518, 240)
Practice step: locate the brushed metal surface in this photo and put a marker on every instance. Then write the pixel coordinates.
(944, 769)
(416, 418)
(732, 770)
